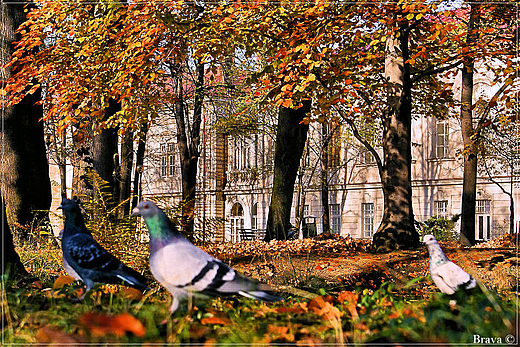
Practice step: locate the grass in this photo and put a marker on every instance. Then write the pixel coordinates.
(38, 313)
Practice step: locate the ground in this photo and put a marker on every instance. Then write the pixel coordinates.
(335, 291)
(345, 264)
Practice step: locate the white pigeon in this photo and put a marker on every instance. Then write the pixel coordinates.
(184, 269)
(448, 276)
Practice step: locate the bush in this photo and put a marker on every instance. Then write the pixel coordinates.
(440, 227)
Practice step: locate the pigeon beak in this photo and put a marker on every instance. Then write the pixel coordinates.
(60, 207)
(135, 211)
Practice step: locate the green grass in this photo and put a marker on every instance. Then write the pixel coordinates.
(362, 316)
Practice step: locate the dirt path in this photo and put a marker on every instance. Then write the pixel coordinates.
(496, 268)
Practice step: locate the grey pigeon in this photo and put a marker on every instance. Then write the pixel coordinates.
(448, 276)
(87, 260)
(185, 269)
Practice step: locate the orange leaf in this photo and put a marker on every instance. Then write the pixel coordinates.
(54, 337)
(214, 321)
(62, 281)
(323, 308)
(100, 325)
(131, 293)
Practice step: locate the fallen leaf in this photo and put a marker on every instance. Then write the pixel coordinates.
(100, 325)
(52, 337)
(62, 281)
(324, 308)
(214, 321)
(131, 293)
(37, 284)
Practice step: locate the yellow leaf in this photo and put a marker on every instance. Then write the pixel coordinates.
(62, 281)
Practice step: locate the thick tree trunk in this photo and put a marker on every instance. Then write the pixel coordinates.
(469, 184)
(11, 262)
(324, 179)
(25, 180)
(125, 173)
(291, 136)
(105, 152)
(188, 143)
(139, 165)
(397, 230)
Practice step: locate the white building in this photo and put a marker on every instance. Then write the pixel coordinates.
(235, 180)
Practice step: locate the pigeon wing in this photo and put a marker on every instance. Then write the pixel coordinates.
(95, 264)
(87, 254)
(183, 266)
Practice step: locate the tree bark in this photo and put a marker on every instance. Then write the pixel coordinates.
(125, 173)
(397, 230)
(104, 151)
(469, 183)
(25, 182)
(324, 183)
(139, 164)
(188, 144)
(11, 262)
(291, 136)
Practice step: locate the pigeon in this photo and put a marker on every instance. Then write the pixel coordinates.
(448, 276)
(86, 260)
(185, 270)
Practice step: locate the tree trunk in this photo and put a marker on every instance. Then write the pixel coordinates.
(397, 230)
(11, 262)
(324, 183)
(104, 151)
(62, 163)
(125, 173)
(469, 184)
(25, 182)
(291, 136)
(188, 143)
(81, 160)
(139, 165)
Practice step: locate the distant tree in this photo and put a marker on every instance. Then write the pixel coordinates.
(469, 181)
(291, 135)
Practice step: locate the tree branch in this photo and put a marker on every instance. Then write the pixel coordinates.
(363, 141)
(433, 70)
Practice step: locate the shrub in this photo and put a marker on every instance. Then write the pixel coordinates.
(443, 229)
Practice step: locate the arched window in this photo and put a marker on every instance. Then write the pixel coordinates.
(237, 221)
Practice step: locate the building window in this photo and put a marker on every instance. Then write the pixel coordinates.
(335, 218)
(237, 221)
(441, 139)
(306, 157)
(305, 210)
(483, 220)
(483, 206)
(441, 208)
(368, 219)
(367, 157)
(254, 217)
(242, 156)
(167, 159)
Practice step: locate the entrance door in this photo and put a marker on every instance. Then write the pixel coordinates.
(483, 220)
(237, 221)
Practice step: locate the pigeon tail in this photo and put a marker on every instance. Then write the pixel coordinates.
(132, 278)
(260, 295)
